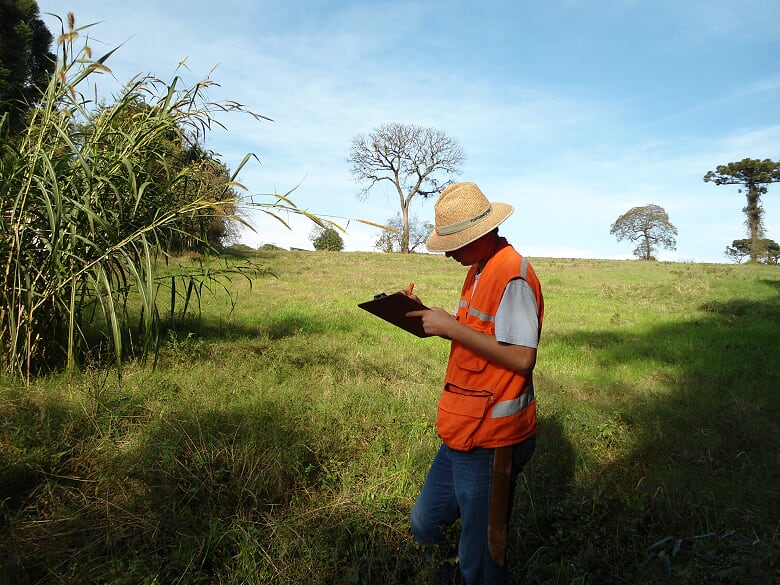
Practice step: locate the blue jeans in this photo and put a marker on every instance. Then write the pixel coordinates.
(458, 486)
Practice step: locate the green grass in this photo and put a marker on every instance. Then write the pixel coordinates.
(285, 436)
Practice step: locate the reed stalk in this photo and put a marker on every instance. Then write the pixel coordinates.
(92, 197)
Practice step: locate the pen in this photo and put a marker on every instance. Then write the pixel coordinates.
(411, 288)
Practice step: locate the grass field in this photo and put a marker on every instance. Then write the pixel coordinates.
(284, 435)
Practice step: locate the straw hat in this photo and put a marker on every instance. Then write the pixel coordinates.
(464, 214)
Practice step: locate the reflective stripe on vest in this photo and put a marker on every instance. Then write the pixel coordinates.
(487, 317)
(482, 316)
(510, 407)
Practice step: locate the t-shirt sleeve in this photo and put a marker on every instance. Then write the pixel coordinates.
(517, 319)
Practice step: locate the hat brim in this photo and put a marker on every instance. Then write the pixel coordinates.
(448, 243)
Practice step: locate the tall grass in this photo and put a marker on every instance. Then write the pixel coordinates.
(284, 437)
(91, 197)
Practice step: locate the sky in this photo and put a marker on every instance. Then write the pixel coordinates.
(573, 111)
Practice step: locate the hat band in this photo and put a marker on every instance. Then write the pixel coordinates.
(454, 228)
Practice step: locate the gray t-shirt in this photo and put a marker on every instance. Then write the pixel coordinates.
(517, 318)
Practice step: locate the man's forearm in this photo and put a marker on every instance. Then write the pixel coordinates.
(515, 357)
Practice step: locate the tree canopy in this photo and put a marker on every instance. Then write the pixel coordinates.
(754, 175)
(414, 160)
(768, 251)
(326, 238)
(649, 227)
(194, 173)
(26, 60)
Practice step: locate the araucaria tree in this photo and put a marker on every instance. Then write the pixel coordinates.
(754, 175)
(26, 63)
(739, 249)
(415, 160)
(649, 227)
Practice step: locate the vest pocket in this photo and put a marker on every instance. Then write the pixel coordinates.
(459, 415)
(467, 360)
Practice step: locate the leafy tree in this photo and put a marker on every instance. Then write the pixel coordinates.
(754, 175)
(213, 177)
(326, 238)
(415, 160)
(649, 227)
(768, 251)
(194, 173)
(772, 253)
(209, 179)
(26, 62)
(391, 241)
(738, 250)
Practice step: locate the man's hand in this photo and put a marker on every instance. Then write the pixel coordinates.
(435, 321)
(411, 296)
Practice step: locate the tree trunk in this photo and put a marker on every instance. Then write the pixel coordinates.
(753, 212)
(647, 246)
(405, 230)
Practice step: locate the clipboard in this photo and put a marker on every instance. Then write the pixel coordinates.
(393, 308)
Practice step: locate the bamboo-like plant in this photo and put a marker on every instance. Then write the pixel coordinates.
(90, 199)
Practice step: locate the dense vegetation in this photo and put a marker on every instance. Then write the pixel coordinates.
(283, 437)
(91, 196)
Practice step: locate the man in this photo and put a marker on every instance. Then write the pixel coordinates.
(487, 414)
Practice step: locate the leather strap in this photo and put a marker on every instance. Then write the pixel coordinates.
(499, 504)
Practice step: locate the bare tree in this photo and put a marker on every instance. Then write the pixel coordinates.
(649, 227)
(415, 160)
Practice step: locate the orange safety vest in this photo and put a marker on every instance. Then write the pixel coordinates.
(484, 404)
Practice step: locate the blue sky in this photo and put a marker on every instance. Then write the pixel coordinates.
(573, 111)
